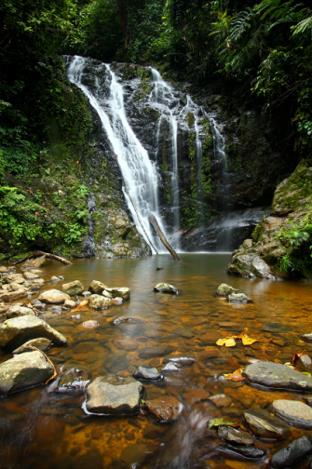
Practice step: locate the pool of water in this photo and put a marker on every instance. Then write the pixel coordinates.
(45, 430)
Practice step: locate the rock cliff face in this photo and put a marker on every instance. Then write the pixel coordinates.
(281, 243)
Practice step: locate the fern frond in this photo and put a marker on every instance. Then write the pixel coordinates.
(303, 26)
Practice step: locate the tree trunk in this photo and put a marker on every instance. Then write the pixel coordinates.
(153, 221)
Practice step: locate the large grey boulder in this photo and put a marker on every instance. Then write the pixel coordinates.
(276, 375)
(24, 371)
(53, 296)
(16, 331)
(295, 413)
(110, 399)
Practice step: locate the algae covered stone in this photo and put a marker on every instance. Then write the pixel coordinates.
(73, 288)
(166, 288)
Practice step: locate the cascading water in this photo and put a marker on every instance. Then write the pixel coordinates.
(163, 99)
(140, 177)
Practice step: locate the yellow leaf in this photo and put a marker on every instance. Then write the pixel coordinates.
(227, 341)
(235, 376)
(246, 340)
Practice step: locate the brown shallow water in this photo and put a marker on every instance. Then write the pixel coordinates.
(41, 430)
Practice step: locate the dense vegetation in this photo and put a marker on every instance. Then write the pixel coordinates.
(261, 49)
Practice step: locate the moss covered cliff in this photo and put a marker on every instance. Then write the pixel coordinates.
(282, 242)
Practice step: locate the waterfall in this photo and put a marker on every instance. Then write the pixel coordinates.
(139, 173)
(163, 99)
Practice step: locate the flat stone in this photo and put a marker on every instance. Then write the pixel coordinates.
(16, 331)
(73, 288)
(18, 310)
(118, 292)
(293, 453)
(53, 296)
(99, 302)
(31, 275)
(97, 287)
(166, 288)
(247, 451)
(276, 375)
(15, 278)
(238, 298)
(109, 399)
(224, 290)
(147, 373)
(24, 371)
(263, 424)
(165, 409)
(233, 435)
(41, 343)
(13, 295)
(182, 361)
(296, 413)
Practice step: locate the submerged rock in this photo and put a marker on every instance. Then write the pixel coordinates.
(238, 298)
(90, 324)
(147, 373)
(293, 453)
(220, 400)
(277, 376)
(53, 296)
(42, 343)
(247, 451)
(263, 424)
(166, 288)
(296, 413)
(16, 331)
(25, 370)
(72, 381)
(233, 435)
(110, 399)
(73, 288)
(165, 409)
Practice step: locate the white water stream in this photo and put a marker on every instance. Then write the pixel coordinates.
(140, 177)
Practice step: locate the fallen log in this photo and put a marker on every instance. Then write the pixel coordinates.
(48, 255)
(153, 221)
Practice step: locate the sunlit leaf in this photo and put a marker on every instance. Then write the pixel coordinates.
(227, 342)
(235, 376)
(215, 423)
(246, 340)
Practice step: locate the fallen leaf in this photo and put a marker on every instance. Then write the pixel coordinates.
(235, 376)
(227, 341)
(215, 423)
(246, 340)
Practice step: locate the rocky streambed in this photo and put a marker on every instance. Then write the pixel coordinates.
(164, 369)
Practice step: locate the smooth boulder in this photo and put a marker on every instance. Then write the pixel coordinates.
(24, 371)
(295, 413)
(276, 375)
(109, 399)
(16, 331)
(53, 296)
